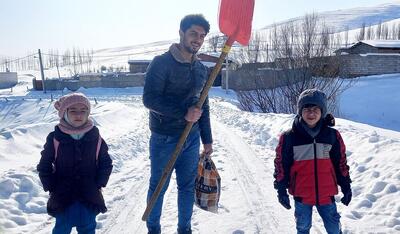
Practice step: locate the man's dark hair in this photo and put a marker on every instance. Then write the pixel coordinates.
(195, 19)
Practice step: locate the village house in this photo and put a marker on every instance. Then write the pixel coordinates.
(138, 66)
(370, 57)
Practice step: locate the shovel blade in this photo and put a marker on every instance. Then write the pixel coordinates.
(235, 18)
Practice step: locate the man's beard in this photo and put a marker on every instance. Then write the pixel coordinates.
(189, 47)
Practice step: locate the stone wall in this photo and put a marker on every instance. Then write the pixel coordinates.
(8, 79)
(250, 79)
(255, 76)
(138, 67)
(111, 81)
(353, 65)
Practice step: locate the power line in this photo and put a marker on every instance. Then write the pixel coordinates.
(81, 56)
(17, 59)
(105, 56)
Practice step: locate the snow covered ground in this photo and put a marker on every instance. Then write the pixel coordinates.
(374, 100)
(244, 153)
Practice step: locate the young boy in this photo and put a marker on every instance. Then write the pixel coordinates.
(74, 166)
(311, 162)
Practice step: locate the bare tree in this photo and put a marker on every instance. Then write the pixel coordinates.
(385, 32)
(81, 59)
(89, 57)
(370, 33)
(378, 31)
(392, 32)
(57, 62)
(66, 60)
(258, 46)
(303, 57)
(361, 34)
(254, 52)
(398, 32)
(214, 43)
(346, 36)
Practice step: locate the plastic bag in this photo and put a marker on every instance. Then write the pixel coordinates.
(207, 186)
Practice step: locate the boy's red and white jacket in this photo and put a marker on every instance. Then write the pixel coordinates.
(311, 167)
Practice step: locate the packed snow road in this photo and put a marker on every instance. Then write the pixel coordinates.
(247, 201)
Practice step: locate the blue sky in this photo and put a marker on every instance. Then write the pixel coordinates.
(27, 25)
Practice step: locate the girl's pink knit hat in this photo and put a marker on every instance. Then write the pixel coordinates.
(68, 100)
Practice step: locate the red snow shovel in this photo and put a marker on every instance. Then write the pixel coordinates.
(235, 18)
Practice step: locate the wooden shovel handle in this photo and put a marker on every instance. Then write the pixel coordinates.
(169, 167)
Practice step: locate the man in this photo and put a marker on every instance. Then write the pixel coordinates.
(173, 85)
(311, 162)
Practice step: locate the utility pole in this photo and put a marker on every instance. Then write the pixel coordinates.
(41, 71)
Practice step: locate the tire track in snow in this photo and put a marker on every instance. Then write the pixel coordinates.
(126, 216)
(247, 165)
(125, 213)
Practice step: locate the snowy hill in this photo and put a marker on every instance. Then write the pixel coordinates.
(353, 18)
(244, 153)
(340, 20)
(345, 19)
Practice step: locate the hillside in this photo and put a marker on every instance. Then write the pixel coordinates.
(353, 18)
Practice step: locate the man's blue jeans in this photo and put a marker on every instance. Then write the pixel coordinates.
(76, 215)
(328, 213)
(161, 149)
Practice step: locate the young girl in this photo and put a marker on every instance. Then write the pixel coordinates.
(74, 166)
